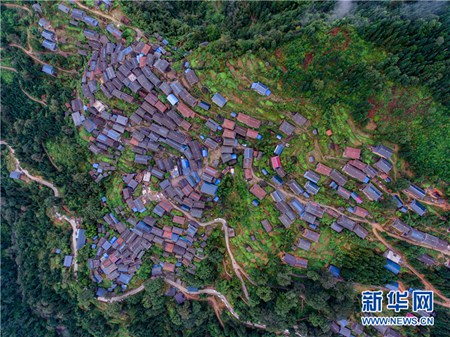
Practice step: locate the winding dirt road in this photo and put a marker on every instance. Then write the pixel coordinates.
(39, 180)
(139, 32)
(74, 224)
(236, 267)
(31, 54)
(17, 7)
(8, 68)
(72, 221)
(31, 97)
(208, 291)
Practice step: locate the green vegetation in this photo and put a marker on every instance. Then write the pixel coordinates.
(379, 75)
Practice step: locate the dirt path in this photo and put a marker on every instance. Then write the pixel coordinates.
(74, 222)
(31, 97)
(28, 174)
(181, 288)
(17, 7)
(9, 68)
(31, 54)
(427, 284)
(139, 32)
(236, 267)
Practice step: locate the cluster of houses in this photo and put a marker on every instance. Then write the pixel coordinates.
(118, 258)
(419, 236)
(158, 126)
(48, 35)
(141, 76)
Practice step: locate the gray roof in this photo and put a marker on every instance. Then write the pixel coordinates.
(417, 207)
(304, 244)
(191, 77)
(416, 191)
(338, 177)
(312, 176)
(162, 65)
(287, 128)
(299, 119)
(360, 231)
(285, 220)
(68, 261)
(311, 187)
(427, 259)
(383, 151)
(383, 165)
(219, 100)
(336, 227)
(372, 192)
(400, 226)
(81, 238)
(355, 173)
(295, 187)
(209, 189)
(308, 217)
(266, 224)
(63, 8)
(311, 235)
(345, 222)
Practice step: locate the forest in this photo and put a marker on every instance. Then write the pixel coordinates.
(401, 82)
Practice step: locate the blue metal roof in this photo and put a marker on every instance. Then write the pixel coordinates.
(392, 267)
(335, 271)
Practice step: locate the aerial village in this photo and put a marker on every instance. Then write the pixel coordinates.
(182, 171)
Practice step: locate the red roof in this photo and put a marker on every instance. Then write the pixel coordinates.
(351, 152)
(179, 220)
(258, 191)
(185, 110)
(185, 125)
(210, 170)
(249, 121)
(228, 124)
(160, 106)
(195, 196)
(167, 234)
(329, 133)
(142, 62)
(113, 258)
(169, 266)
(248, 174)
(323, 169)
(166, 205)
(151, 98)
(358, 164)
(228, 134)
(146, 49)
(134, 142)
(359, 211)
(252, 134)
(276, 162)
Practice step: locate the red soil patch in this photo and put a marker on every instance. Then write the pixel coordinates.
(345, 33)
(334, 31)
(279, 54)
(308, 59)
(372, 112)
(280, 57)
